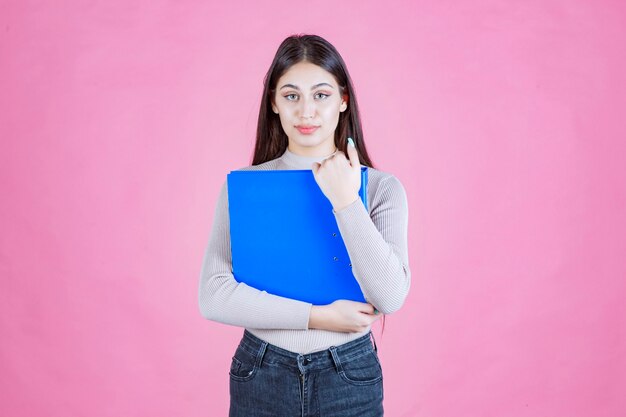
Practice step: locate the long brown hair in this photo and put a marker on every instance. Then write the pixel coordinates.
(271, 139)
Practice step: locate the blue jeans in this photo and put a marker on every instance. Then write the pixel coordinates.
(342, 381)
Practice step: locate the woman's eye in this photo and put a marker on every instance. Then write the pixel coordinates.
(322, 94)
(290, 95)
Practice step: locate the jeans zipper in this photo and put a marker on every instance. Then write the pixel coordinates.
(302, 399)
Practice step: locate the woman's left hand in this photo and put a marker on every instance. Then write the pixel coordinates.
(339, 178)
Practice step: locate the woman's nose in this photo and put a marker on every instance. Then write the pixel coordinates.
(308, 108)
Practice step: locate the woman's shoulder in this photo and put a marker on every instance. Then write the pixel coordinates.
(269, 165)
(384, 186)
(273, 164)
(379, 178)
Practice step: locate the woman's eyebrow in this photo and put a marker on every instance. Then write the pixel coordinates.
(295, 87)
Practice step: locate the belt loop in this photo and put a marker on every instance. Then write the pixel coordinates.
(374, 341)
(260, 354)
(335, 356)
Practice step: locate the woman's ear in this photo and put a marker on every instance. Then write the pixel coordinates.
(344, 103)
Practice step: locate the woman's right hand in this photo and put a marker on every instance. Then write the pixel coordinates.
(343, 316)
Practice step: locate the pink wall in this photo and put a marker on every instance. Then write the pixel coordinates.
(504, 120)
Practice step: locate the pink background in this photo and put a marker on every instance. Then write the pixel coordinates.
(504, 120)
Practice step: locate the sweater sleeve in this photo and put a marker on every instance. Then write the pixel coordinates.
(221, 298)
(377, 245)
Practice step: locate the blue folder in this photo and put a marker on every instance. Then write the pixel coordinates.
(285, 239)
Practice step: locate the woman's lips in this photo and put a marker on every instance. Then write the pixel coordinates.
(306, 130)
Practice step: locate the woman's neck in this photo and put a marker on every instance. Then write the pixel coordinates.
(302, 161)
(317, 153)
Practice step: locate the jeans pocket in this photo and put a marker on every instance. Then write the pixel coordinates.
(362, 370)
(243, 366)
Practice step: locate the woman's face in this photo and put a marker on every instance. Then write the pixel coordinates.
(308, 96)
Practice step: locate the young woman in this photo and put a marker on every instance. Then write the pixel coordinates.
(298, 359)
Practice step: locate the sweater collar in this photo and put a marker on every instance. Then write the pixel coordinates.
(301, 162)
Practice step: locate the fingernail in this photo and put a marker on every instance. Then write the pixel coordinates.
(351, 142)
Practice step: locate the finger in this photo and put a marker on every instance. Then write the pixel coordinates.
(369, 319)
(336, 160)
(353, 154)
(367, 308)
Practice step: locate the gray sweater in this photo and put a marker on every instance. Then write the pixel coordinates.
(376, 241)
